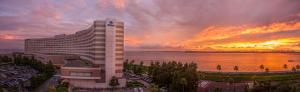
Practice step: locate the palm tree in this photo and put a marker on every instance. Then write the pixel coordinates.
(236, 68)
(294, 69)
(114, 82)
(267, 70)
(262, 67)
(297, 67)
(183, 82)
(285, 66)
(219, 67)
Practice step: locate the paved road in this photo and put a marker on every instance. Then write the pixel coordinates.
(45, 86)
(146, 84)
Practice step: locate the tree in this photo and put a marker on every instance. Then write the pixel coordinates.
(285, 66)
(174, 76)
(134, 84)
(139, 69)
(262, 67)
(131, 66)
(267, 70)
(183, 82)
(114, 82)
(5, 59)
(141, 63)
(294, 69)
(46, 70)
(51, 89)
(153, 88)
(126, 66)
(62, 87)
(236, 68)
(219, 67)
(142, 68)
(151, 69)
(297, 66)
(50, 68)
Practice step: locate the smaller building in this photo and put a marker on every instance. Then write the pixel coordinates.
(82, 73)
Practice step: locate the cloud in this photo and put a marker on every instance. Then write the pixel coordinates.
(132, 41)
(193, 24)
(120, 4)
(227, 12)
(7, 37)
(283, 34)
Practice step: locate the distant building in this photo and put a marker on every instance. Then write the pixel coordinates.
(88, 58)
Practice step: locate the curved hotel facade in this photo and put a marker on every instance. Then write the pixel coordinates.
(88, 58)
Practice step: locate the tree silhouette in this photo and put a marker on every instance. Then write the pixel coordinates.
(126, 66)
(175, 76)
(219, 67)
(236, 68)
(294, 69)
(262, 67)
(183, 82)
(297, 67)
(285, 66)
(267, 70)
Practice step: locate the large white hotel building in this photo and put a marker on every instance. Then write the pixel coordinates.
(87, 58)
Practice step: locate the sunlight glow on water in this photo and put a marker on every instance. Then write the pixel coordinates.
(247, 62)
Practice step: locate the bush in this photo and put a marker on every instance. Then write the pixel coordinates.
(62, 87)
(5, 59)
(114, 82)
(134, 84)
(36, 81)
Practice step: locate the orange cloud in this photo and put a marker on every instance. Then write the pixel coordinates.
(7, 37)
(47, 11)
(298, 14)
(130, 41)
(264, 45)
(285, 26)
(214, 37)
(120, 4)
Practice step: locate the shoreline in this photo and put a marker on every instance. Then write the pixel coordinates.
(251, 73)
(223, 51)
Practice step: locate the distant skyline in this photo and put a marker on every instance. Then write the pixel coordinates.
(204, 25)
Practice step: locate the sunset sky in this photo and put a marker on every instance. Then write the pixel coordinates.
(205, 25)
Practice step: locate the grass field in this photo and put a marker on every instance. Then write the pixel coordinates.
(225, 77)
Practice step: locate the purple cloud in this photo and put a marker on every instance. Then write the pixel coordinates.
(156, 23)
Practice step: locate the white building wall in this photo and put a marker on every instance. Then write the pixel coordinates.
(110, 50)
(99, 44)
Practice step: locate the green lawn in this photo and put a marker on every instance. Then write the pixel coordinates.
(248, 77)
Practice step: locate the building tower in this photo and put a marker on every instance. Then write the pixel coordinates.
(88, 58)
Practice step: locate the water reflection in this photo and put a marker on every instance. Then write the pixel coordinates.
(247, 62)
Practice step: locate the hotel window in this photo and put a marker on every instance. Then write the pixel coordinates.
(81, 74)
